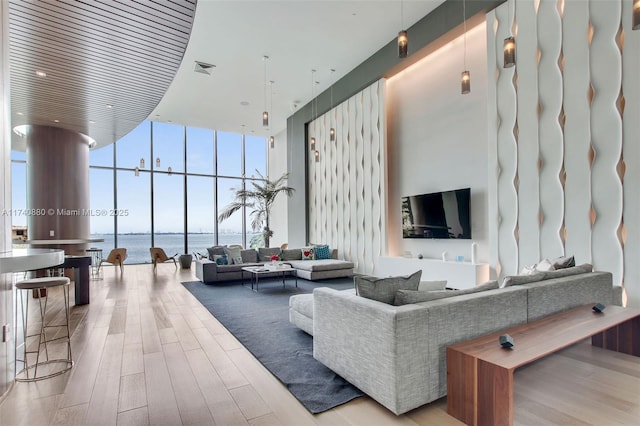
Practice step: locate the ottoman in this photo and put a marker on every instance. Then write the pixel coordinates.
(301, 312)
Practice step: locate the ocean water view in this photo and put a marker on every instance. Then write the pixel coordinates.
(138, 245)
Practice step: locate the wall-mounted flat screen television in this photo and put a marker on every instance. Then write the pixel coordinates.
(439, 215)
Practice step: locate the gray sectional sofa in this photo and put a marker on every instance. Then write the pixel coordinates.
(208, 271)
(396, 354)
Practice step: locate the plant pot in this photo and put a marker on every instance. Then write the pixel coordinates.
(185, 261)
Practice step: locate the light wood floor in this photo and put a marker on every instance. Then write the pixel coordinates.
(147, 352)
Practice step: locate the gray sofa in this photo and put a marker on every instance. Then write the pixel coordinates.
(208, 271)
(396, 354)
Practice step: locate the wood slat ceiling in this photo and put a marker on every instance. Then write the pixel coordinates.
(123, 53)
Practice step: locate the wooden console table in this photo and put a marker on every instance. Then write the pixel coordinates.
(480, 372)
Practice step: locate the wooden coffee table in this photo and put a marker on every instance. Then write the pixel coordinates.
(480, 371)
(257, 271)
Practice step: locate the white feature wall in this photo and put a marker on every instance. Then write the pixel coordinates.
(346, 189)
(565, 137)
(278, 161)
(437, 141)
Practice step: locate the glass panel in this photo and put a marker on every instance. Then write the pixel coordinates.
(101, 203)
(200, 155)
(201, 215)
(229, 154)
(230, 231)
(134, 226)
(168, 146)
(19, 201)
(168, 212)
(134, 146)
(19, 155)
(102, 156)
(255, 156)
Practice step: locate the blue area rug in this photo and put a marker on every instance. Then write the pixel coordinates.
(260, 321)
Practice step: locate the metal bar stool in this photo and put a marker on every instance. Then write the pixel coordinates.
(96, 259)
(38, 284)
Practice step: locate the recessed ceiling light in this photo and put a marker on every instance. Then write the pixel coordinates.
(92, 122)
(19, 113)
(244, 103)
(40, 73)
(109, 106)
(56, 121)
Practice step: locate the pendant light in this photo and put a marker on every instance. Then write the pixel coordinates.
(465, 81)
(509, 48)
(312, 141)
(265, 114)
(332, 130)
(635, 20)
(403, 38)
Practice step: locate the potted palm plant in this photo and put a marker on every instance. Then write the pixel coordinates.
(260, 199)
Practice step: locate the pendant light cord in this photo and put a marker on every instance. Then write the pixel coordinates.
(464, 20)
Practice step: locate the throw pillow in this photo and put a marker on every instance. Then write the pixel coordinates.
(232, 253)
(563, 262)
(307, 253)
(220, 259)
(544, 266)
(432, 285)
(291, 254)
(264, 254)
(249, 256)
(215, 250)
(237, 260)
(384, 289)
(322, 252)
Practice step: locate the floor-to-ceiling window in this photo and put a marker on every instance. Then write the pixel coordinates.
(163, 185)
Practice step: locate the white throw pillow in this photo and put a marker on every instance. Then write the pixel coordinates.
(544, 266)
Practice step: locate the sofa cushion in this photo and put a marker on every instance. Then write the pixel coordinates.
(510, 280)
(322, 252)
(302, 303)
(432, 285)
(321, 265)
(404, 297)
(307, 253)
(215, 250)
(222, 269)
(264, 254)
(574, 270)
(249, 256)
(291, 254)
(384, 289)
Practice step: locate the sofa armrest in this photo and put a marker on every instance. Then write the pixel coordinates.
(206, 270)
(381, 349)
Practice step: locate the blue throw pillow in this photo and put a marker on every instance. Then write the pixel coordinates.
(221, 259)
(322, 252)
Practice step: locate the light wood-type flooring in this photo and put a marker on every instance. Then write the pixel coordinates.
(147, 352)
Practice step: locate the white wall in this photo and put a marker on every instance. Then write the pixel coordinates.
(277, 165)
(437, 140)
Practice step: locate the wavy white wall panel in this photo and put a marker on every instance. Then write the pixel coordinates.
(378, 228)
(360, 177)
(507, 151)
(348, 185)
(492, 134)
(528, 149)
(631, 155)
(606, 137)
(551, 139)
(588, 124)
(577, 137)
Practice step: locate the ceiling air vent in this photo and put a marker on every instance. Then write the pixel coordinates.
(203, 67)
